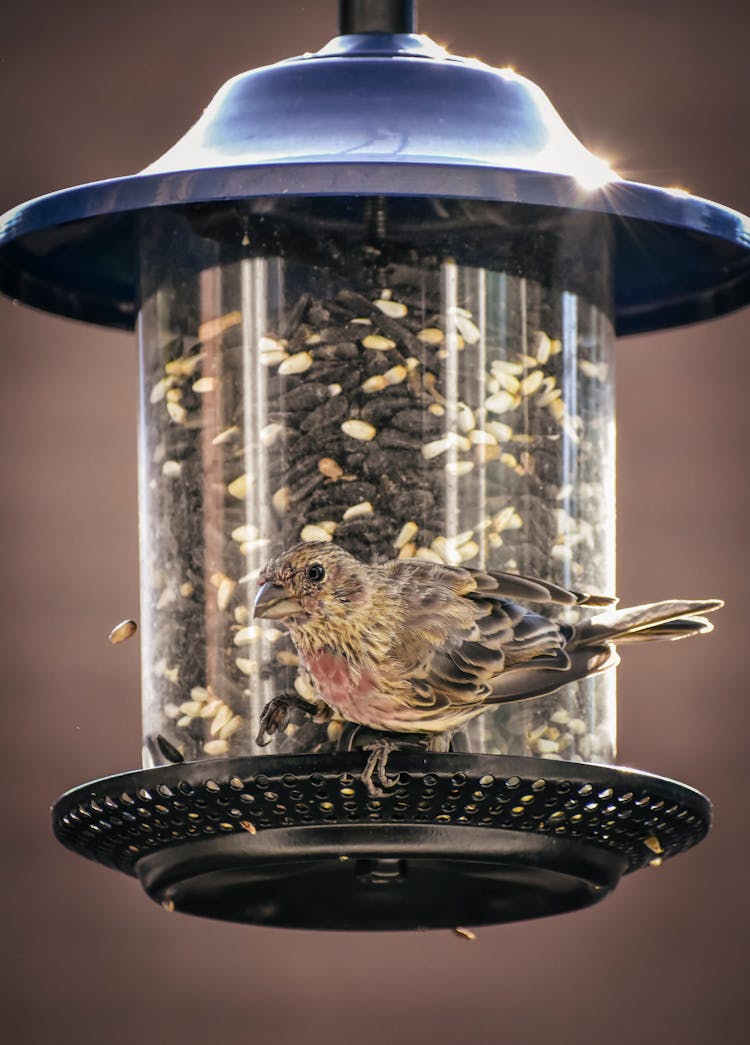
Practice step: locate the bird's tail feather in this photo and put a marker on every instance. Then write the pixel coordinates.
(526, 681)
(672, 619)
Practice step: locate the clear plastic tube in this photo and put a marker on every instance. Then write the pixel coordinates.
(442, 390)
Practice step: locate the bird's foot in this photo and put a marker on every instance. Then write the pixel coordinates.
(376, 766)
(274, 717)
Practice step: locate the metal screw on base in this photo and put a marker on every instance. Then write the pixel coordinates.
(377, 16)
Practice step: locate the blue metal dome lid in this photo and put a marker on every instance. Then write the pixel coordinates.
(379, 114)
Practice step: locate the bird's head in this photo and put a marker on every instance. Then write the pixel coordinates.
(312, 584)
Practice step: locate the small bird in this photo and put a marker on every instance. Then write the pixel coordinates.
(416, 647)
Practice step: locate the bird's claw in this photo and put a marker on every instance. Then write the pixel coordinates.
(274, 718)
(376, 766)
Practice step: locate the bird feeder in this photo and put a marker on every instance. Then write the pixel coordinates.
(376, 290)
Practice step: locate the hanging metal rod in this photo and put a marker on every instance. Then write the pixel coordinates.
(377, 16)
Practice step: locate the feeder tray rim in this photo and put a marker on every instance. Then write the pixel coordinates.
(223, 838)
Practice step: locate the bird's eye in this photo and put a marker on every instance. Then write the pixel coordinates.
(315, 572)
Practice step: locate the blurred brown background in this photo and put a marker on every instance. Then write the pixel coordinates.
(91, 90)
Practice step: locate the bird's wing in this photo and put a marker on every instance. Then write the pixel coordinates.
(533, 589)
(456, 639)
(495, 582)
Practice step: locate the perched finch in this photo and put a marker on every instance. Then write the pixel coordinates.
(410, 646)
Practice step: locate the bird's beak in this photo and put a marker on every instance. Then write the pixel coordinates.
(275, 602)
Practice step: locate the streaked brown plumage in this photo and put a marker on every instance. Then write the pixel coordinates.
(414, 647)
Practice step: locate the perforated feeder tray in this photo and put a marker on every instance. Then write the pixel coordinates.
(377, 289)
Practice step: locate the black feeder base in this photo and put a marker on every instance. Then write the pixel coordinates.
(460, 840)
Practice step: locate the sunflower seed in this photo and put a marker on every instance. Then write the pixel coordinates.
(431, 336)
(123, 631)
(226, 435)
(469, 330)
(407, 532)
(376, 383)
(543, 348)
(185, 366)
(238, 487)
(270, 433)
(531, 382)
(314, 533)
(177, 412)
(378, 342)
(272, 358)
(357, 429)
(296, 364)
(358, 510)
(459, 467)
(203, 385)
(395, 375)
(304, 688)
(501, 402)
(160, 389)
(213, 327)
(281, 501)
(247, 635)
(330, 468)
(216, 747)
(394, 309)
